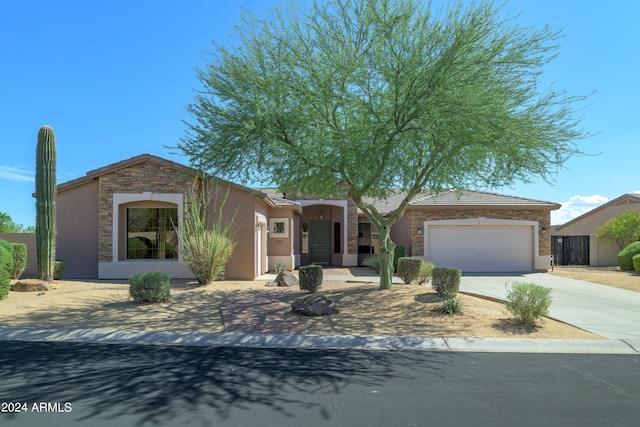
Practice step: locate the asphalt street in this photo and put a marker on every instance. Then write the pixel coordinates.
(97, 384)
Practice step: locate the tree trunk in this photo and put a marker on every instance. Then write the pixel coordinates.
(385, 254)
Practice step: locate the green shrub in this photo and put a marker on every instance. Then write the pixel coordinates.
(6, 263)
(9, 248)
(625, 256)
(426, 269)
(527, 302)
(636, 263)
(58, 269)
(19, 260)
(5, 282)
(310, 277)
(374, 262)
(18, 253)
(446, 280)
(450, 306)
(149, 287)
(409, 269)
(398, 253)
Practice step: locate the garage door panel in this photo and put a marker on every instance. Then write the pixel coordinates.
(481, 248)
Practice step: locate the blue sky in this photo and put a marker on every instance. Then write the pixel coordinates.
(113, 79)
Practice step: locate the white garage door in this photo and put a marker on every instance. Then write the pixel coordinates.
(481, 248)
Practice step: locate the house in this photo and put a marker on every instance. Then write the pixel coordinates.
(119, 220)
(575, 243)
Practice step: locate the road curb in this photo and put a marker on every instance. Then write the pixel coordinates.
(301, 341)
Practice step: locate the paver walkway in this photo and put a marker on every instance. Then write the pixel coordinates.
(262, 312)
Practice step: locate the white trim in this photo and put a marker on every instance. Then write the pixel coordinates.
(262, 261)
(125, 269)
(117, 269)
(349, 260)
(286, 226)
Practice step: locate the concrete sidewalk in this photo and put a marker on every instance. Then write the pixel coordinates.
(226, 339)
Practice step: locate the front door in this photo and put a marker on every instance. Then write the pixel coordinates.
(320, 242)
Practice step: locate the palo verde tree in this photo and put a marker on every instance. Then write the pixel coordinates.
(353, 98)
(46, 202)
(7, 225)
(624, 228)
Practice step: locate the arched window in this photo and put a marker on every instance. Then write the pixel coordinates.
(152, 233)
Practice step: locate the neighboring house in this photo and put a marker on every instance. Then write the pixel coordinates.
(575, 243)
(118, 220)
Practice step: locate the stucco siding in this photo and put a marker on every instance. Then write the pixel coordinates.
(400, 234)
(590, 223)
(77, 235)
(239, 207)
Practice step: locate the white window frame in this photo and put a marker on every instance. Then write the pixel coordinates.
(272, 225)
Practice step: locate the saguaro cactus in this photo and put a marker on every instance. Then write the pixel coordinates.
(46, 202)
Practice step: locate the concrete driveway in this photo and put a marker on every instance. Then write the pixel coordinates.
(610, 312)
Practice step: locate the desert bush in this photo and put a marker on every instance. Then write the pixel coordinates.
(310, 277)
(206, 249)
(398, 253)
(625, 256)
(58, 269)
(19, 260)
(6, 264)
(279, 268)
(426, 269)
(636, 263)
(527, 302)
(409, 269)
(445, 280)
(149, 287)
(451, 305)
(374, 262)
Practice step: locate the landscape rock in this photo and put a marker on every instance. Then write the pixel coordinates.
(314, 305)
(286, 278)
(32, 285)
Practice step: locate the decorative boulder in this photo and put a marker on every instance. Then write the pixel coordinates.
(32, 285)
(314, 305)
(286, 278)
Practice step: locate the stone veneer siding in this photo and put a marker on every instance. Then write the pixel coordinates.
(134, 179)
(417, 217)
(352, 227)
